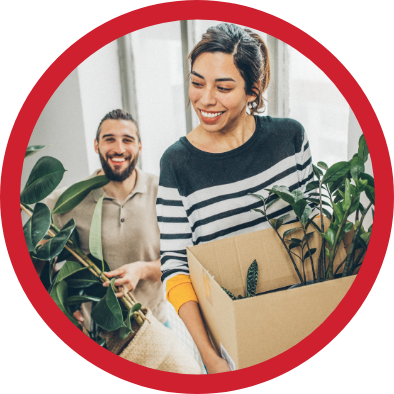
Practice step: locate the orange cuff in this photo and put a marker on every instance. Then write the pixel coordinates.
(179, 290)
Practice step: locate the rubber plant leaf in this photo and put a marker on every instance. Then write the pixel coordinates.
(33, 149)
(363, 149)
(59, 295)
(40, 223)
(77, 193)
(27, 234)
(125, 331)
(75, 300)
(43, 180)
(69, 268)
(336, 172)
(95, 244)
(108, 313)
(55, 245)
(251, 279)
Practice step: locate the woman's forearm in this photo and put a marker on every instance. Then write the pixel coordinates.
(191, 316)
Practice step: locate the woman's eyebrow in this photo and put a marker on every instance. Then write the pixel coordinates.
(216, 80)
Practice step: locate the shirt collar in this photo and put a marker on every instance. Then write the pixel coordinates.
(140, 186)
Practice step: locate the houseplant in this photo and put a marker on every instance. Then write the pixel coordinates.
(134, 333)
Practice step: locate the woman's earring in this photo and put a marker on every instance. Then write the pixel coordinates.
(254, 104)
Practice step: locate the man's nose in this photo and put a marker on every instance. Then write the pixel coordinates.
(119, 147)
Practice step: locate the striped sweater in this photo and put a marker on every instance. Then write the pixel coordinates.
(204, 196)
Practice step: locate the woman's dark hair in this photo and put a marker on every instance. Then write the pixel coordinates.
(249, 52)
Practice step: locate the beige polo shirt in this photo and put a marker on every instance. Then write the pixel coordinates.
(129, 233)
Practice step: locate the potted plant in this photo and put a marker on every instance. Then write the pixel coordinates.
(134, 333)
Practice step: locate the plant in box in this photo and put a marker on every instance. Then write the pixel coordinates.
(339, 188)
(134, 333)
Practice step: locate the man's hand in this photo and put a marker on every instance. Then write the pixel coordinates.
(78, 315)
(129, 276)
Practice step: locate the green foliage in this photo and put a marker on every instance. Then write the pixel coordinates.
(59, 295)
(363, 149)
(251, 279)
(77, 193)
(356, 167)
(27, 234)
(108, 313)
(230, 294)
(126, 330)
(336, 171)
(43, 180)
(40, 223)
(33, 149)
(69, 268)
(55, 245)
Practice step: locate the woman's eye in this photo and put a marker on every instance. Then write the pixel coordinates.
(196, 84)
(223, 89)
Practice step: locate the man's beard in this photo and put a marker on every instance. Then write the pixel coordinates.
(118, 176)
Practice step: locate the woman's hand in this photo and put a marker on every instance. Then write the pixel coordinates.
(217, 365)
(129, 276)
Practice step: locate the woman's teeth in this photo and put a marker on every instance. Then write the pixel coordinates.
(210, 114)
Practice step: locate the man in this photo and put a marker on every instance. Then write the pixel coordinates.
(130, 234)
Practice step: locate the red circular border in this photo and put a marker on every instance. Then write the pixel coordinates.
(54, 76)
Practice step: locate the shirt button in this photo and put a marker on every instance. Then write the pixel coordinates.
(122, 220)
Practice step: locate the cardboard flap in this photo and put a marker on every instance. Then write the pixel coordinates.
(228, 259)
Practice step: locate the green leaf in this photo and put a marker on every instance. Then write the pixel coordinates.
(299, 207)
(230, 294)
(108, 313)
(370, 192)
(33, 149)
(317, 172)
(362, 184)
(95, 245)
(69, 268)
(369, 178)
(338, 211)
(356, 167)
(259, 211)
(310, 221)
(59, 295)
(305, 215)
(77, 193)
(294, 245)
(348, 198)
(335, 185)
(81, 283)
(312, 252)
(327, 213)
(316, 201)
(307, 236)
(362, 242)
(276, 223)
(336, 172)
(75, 300)
(271, 202)
(363, 149)
(348, 227)
(27, 234)
(287, 232)
(328, 255)
(323, 165)
(251, 279)
(43, 180)
(126, 330)
(312, 186)
(298, 195)
(40, 223)
(283, 193)
(55, 245)
(257, 196)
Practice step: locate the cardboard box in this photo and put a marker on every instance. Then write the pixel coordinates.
(252, 330)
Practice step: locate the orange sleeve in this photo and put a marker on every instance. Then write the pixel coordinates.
(179, 290)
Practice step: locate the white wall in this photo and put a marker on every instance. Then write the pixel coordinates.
(100, 88)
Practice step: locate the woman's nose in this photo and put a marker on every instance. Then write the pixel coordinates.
(208, 97)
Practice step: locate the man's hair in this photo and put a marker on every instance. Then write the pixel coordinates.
(118, 114)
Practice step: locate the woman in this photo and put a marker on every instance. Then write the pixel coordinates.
(206, 176)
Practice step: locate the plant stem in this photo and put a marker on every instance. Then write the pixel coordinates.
(350, 256)
(128, 300)
(322, 263)
(339, 266)
(357, 262)
(310, 256)
(284, 244)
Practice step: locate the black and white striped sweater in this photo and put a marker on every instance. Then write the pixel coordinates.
(204, 196)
